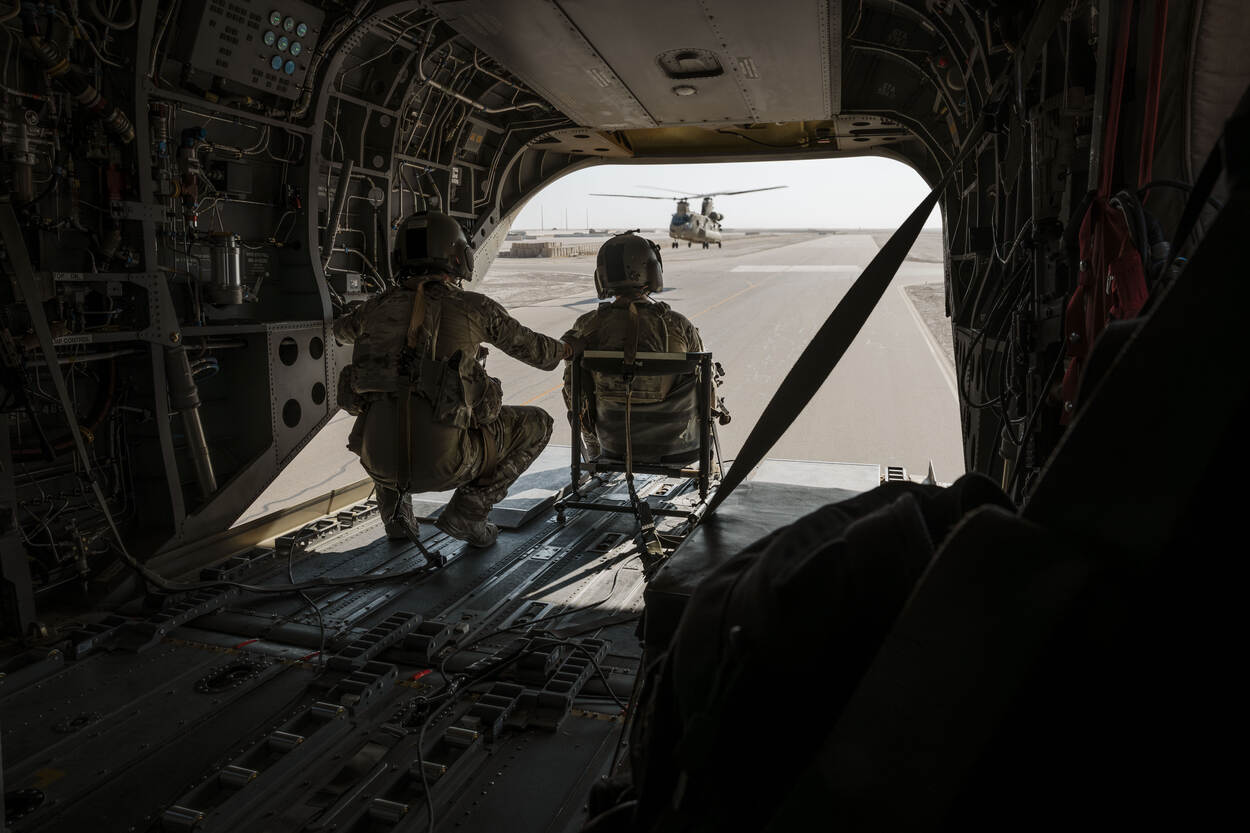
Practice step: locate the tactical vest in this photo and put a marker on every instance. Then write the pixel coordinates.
(397, 350)
(615, 328)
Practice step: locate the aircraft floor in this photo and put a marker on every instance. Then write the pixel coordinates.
(221, 712)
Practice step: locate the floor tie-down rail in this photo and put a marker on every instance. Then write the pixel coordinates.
(230, 710)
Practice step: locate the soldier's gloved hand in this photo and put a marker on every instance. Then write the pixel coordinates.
(574, 346)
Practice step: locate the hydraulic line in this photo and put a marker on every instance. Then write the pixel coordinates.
(57, 65)
(184, 396)
(336, 214)
(481, 108)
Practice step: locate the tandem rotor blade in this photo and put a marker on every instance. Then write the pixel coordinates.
(691, 196)
(747, 191)
(634, 196)
(670, 190)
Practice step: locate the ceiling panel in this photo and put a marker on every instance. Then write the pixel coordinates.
(599, 61)
(775, 55)
(540, 45)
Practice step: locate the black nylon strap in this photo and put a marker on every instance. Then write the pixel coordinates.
(1207, 179)
(833, 338)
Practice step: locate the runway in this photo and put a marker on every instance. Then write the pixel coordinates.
(757, 303)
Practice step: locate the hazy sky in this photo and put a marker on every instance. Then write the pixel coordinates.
(865, 192)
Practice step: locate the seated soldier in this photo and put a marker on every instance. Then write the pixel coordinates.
(630, 268)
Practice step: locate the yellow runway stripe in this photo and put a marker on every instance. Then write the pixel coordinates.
(543, 395)
(749, 287)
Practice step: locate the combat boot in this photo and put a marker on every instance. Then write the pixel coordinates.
(401, 529)
(396, 512)
(477, 533)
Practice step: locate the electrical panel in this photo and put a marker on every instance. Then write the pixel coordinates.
(264, 44)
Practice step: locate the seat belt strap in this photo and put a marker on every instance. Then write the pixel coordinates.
(1209, 175)
(833, 338)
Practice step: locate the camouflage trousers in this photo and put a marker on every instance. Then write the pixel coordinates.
(513, 441)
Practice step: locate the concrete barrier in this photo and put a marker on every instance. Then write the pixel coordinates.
(550, 249)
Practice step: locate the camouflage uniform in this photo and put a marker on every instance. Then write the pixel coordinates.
(491, 446)
(608, 327)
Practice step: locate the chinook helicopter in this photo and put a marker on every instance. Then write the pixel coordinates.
(693, 227)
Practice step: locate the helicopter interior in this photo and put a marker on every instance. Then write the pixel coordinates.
(194, 191)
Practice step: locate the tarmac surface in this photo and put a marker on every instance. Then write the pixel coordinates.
(757, 303)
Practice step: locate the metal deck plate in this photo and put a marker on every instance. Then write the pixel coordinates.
(229, 721)
(533, 493)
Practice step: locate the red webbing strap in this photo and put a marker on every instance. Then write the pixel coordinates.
(1112, 129)
(1153, 83)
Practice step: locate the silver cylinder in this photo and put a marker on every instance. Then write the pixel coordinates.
(23, 165)
(236, 777)
(380, 809)
(180, 818)
(227, 269)
(184, 397)
(280, 741)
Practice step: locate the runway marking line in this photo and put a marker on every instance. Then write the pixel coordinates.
(560, 386)
(837, 268)
(748, 288)
(543, 395)
(931, 342)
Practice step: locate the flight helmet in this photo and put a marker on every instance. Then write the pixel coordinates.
(430, 242)
(628, 262)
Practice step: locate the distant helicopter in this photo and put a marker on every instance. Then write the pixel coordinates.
(703, 227)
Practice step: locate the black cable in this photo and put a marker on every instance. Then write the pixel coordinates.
(594, 661)
(321, 623)
(1028, 426)
(1003, 294)
(757, 141)
(433, 708)
(47, 189)
(425, 782)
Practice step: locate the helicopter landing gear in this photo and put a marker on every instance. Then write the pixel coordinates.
(674, 244)
(718, 245)
(705, 245)
(687, 244)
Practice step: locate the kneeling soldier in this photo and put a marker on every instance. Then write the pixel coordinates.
(429, 417)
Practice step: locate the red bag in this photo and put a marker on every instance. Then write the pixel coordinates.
(1112, 287)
